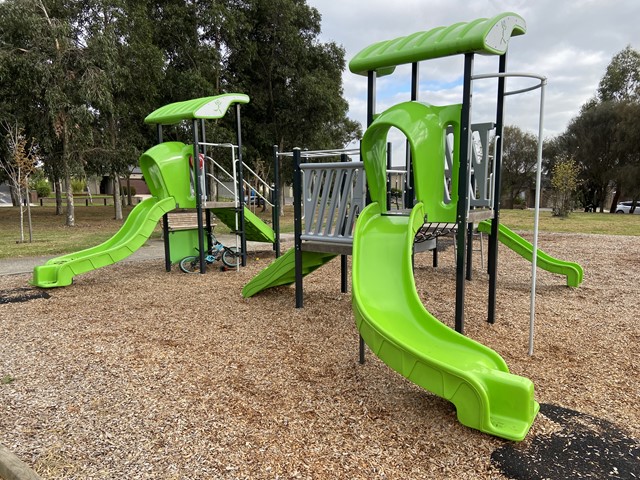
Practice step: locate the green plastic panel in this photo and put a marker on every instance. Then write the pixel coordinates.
(255, 229)
(403, 334)
(484, 35)
(425, 128)
(205, 108)
(166, 170)
(522, 247)
(183, 244)
(282, 271)
(59, 272)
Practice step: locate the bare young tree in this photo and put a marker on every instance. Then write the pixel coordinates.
(19, 165)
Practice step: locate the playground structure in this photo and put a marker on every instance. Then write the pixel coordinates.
(177, 182)
(449, 186)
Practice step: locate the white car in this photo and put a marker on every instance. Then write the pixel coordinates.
(625, 207)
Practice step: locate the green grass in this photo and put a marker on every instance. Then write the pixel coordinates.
(577, 222)
(95, 224)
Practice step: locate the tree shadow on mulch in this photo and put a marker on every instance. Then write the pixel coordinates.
(21, 294)
(585, 447)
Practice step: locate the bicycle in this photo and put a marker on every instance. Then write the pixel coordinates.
(230, 256)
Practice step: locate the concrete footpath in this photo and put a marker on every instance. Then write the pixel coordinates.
(153, 249)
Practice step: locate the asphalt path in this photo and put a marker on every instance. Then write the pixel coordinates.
(153, 249)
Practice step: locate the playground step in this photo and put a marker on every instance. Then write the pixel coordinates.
(184, 220)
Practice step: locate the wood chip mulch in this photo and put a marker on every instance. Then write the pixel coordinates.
(136, 373)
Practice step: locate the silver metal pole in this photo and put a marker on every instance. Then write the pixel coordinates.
(534, 259)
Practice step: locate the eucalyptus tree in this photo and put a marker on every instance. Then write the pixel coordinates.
(293, 79)
(120, 83)
(42, 61)
(519, 156)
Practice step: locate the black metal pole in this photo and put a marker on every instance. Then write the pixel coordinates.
(297, 224)
(276, 200)
(410, 194)
(463, 190)
(371, 111)
(344, 270)
(165, 220)
(389, 160)
(469, 273)
(198, 175)
(371, 96)
(243, 236)
(492, 261)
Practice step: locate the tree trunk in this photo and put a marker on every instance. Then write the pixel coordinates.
(29, 211)
(58, 189)
(14, 196)
(117, 200)
(129, 201)
(71, 221)
(614, 202)
(19, 189)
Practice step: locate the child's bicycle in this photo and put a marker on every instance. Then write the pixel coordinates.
(229, 256)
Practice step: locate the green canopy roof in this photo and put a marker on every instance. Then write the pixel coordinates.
(484, 35)
(207, 108)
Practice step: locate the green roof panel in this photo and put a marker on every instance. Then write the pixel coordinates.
(484, 35)
(206, 107)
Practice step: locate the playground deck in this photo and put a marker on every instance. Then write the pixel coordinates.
(134, 372)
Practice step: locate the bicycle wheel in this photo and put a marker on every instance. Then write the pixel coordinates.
(190, 264)
(231, 257)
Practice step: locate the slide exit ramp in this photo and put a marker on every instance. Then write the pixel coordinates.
(282, 271)
(255, 229)
(571, 270)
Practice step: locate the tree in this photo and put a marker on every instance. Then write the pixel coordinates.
(19, 166)
(564, 181)
(294, 81)
(519, 158)
(621, 82)
(590, 141)
(120, 57)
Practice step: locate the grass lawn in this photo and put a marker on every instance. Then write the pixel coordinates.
(95, 224)
(578, 222)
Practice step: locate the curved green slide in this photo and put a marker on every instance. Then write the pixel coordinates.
(522, 247)
(388, 312)
(59, 272)
(282, 271)
(403, 334)
(166, 170)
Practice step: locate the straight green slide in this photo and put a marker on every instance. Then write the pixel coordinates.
(522, 247)
(59, 272)
(255, 229)
(282, 271)
(403, 334)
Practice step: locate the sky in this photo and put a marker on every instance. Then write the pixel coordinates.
(570, 42)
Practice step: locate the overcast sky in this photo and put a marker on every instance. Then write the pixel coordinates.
(570, 42)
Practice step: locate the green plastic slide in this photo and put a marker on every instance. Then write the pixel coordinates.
(282, 271)
(59, 272)
(399, 330)
(255, 229)
(522, 247)
(166, 170)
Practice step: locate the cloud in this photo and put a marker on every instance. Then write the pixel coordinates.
(571, 43)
